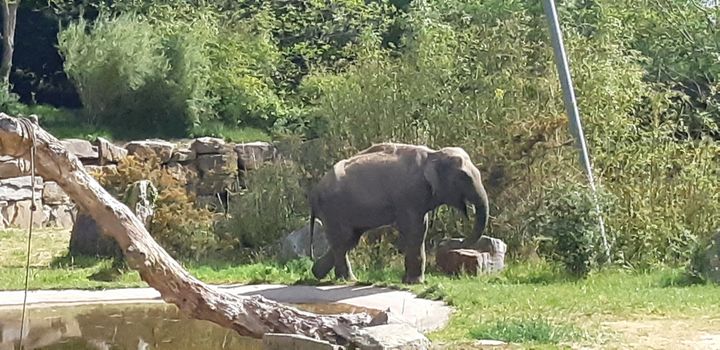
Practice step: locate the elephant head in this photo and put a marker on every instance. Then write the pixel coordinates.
(455, 181)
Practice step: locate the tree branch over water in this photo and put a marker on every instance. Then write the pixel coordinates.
(250, 316)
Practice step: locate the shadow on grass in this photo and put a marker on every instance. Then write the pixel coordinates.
(66, 261)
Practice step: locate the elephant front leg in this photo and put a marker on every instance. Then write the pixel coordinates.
(413, 231)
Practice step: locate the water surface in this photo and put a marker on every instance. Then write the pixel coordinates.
(128, 326)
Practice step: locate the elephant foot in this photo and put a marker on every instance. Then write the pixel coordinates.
(413, 280)
(321, 268)
(347, 277)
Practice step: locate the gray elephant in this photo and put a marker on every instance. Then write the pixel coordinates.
(393, 184)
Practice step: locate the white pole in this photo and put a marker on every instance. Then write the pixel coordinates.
(571, 106)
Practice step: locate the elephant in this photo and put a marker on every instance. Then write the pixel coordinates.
(393, 185)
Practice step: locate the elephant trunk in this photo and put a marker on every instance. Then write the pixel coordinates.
(482, 212)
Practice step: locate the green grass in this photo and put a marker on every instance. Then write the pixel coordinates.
(536, 305)
(67, 123)
(527, 330)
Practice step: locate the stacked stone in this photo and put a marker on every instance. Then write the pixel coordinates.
(208, 166)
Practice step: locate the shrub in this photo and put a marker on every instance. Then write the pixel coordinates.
(177, 225)
(273, 205)
(133, 77)
(568, 220)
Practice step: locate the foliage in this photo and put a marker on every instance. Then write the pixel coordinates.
(271, 207)
(132, 77)
(177, 225)
(568, 221)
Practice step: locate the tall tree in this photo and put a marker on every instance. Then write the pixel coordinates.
(9, 18)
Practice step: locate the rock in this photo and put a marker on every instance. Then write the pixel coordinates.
(146, 149)
(225, 163)
(12, 167)
(102, 169)
(297, 243)
(496, 248)
(470, 261)
(108, 152)
(140, 198)
(185, 174)
(251, 155)
(280, 341)
(7, 211)
(183, 155)
(214, 183)
(82, 149)
(207, 145)
(489, 342)
(3, 223)
(488, 257)
(397, 336)
(19, 189)
(21, 214)
(86, 239)
(62, 215)
(52, 194)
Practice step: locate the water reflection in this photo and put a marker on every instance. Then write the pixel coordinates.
(131, 326)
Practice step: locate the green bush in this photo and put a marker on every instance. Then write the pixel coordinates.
(273, 205)
(133, 77)
(568, 226)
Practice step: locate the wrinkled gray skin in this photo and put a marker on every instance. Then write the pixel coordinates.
(393, 184)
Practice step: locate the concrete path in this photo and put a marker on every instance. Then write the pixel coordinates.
(426, 315)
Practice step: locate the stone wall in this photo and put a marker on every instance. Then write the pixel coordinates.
(208, 166)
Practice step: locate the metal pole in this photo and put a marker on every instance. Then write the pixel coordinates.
(571, 105)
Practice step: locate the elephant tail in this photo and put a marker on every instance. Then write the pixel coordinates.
(312, 232)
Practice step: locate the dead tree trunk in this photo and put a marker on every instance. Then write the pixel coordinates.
(9, 18)
(248, 315)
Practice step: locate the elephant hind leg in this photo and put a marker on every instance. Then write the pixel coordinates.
(343, 270)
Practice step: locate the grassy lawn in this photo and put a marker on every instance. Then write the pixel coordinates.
(532, 305)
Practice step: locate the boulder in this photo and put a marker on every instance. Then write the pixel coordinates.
(225, 163)
(496, 248)
(251, 155)
(86, 239)
(13, 167)
(52, 194)
(397, 336)
(487, 257)
(19, 215)
(297, 243)
(108, 152)
(19, 189)
(184, 173)
(62, 215)
(457, 261)
(283, 341)
(146, 149)
(140, 198)
(82, 149)
(183, 155)
(211, 184)
(207, 145)
(102, 169)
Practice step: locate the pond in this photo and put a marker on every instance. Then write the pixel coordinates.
(129, 326)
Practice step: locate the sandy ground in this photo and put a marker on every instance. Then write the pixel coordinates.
(696, 334)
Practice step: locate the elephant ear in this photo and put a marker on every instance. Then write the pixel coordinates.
(437, 169)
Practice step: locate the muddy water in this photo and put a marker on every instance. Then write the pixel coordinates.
(129, 326)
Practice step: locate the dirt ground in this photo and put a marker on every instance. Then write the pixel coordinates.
(696, 334)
